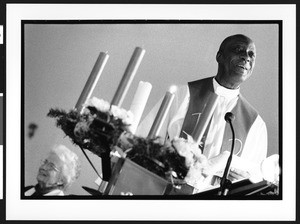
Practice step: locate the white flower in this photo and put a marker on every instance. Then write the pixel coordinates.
(182, 148)
(129, 118)
(116, 112)
(99, 104)
(194, 177)
(195, 161)
(189, 149)
(124, 115)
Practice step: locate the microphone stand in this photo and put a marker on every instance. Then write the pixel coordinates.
(225, 183)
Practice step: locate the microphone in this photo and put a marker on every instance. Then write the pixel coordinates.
(225, 183)
(229, 117)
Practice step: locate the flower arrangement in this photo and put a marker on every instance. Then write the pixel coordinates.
(100, 127)
(161, 159)
(96, 128)
(179, 161)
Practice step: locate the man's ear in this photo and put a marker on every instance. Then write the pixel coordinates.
(219, 56)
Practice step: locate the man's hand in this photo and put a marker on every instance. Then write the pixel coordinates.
(237, 174)
(216, 164)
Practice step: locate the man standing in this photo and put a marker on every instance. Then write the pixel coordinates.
(236, 60)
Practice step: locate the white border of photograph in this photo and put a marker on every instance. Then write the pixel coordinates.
(17, 209)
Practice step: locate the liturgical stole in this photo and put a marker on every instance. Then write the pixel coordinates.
(245, 115)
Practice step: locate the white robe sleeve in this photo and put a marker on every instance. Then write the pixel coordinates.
(256, 144)
(254, 152)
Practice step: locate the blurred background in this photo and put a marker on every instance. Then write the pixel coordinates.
(58, 59)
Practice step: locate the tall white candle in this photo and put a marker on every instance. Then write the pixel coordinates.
(162, 112)
(128, 76)
(138, 103)
(92, 80)
(205, 117)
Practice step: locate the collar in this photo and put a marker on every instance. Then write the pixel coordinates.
(55, 192)
(32, 192)
(229, 94)
(48, 191)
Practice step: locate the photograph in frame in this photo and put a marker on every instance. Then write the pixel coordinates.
(56, 58)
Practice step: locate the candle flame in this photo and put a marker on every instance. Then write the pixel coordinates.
(173, 89)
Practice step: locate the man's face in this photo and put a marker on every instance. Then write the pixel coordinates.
(49, 174)
(238, 60)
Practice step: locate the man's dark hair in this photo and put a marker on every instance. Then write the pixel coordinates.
(228, 39)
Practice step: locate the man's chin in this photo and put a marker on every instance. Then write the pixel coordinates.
(240, 77)
(240, 72)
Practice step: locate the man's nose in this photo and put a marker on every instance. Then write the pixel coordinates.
(245, 56)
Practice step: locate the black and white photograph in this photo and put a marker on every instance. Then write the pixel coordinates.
(146, 109)
(58, 60)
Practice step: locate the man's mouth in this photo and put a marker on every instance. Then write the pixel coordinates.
(242, 66)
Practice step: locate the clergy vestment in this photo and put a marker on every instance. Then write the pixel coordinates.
(186, 109)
